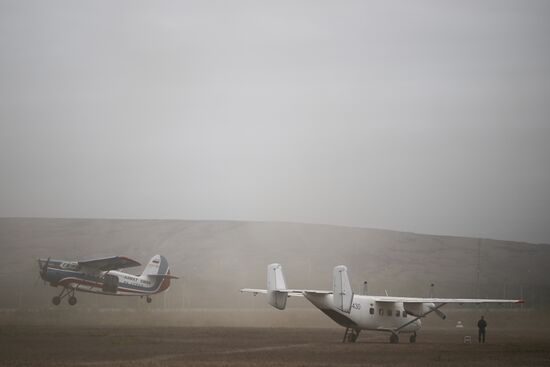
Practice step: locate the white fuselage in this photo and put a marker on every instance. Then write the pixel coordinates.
(83, 279)
(128, 284)
(366, 313)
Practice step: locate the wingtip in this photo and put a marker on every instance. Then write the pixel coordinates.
(520, 301)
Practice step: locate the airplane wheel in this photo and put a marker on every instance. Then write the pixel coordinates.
(56, 300)
(352, 338)
(394, 339)
(72, 300)
(412, 338)
(149, 299)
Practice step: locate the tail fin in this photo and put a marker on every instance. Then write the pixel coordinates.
(158, 265)
(157, 270)
(276, 283)
(343, 295)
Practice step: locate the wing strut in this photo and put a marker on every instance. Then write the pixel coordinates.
(433, 309)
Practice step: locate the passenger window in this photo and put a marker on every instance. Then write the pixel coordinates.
(371, 311)
(389, 312)
(397, 313)
(404, 313)
(381, 311)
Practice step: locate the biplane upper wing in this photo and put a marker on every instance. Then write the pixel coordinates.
(110, 263)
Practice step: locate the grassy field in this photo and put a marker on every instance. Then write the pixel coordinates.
(89, 346)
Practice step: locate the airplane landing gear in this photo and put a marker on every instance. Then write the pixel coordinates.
(351, 336)
(412, 338)
(394, 338)
(64, 293)
(149, 299)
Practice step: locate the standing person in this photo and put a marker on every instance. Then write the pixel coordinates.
(482, 325)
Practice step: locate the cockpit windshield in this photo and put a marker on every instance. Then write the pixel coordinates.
(70, 265)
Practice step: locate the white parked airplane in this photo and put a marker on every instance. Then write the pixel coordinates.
(394, 315)
(103, 276)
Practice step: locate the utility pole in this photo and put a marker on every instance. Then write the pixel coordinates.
(505, 290)
(478, 267)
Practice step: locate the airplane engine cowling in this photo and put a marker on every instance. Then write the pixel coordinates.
(418, 309)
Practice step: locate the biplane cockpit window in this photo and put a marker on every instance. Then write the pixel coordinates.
(70, 265)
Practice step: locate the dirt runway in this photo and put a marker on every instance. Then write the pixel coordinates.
(126, 346)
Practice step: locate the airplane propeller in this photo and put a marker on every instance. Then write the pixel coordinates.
(43, 268)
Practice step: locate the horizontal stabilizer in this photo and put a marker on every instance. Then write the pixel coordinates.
(255, 291)
(300, 292)
(277, 292)
(164, 276)
(289, 292)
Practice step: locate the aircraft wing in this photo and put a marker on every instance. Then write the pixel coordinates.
(110, 263)
(291, 292)
(390, 299)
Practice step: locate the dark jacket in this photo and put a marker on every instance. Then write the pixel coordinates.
(482, 324)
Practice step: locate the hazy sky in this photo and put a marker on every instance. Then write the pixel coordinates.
(424, 116)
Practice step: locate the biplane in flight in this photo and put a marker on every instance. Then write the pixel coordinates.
(103, 276)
